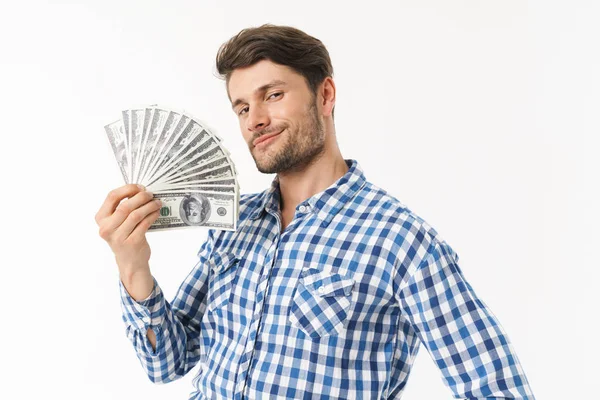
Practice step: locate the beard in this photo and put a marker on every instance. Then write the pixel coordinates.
(298, 148)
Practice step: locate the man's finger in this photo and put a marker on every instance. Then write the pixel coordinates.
(141, 228)
(135, 217)
(124, 209)
(114, 198)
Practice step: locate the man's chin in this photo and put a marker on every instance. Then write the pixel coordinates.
(265, 169)
(267, 165)
(264, 161)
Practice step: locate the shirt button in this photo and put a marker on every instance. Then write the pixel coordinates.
(302, 208)
(321, 290)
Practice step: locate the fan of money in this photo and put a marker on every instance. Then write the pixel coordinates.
(181, 162)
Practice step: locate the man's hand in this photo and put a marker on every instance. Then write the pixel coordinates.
(123, 224)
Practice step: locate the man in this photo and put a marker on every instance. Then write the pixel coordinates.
(329, 284)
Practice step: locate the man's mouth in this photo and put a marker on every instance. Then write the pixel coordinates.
(265, 139)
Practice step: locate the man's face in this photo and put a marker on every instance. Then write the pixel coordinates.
(268, 99)
(192, 212)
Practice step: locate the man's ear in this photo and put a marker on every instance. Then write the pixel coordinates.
(327, 96)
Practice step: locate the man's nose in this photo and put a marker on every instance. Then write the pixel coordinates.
(257, 119)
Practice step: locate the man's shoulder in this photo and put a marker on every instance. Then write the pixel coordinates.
(395, 216)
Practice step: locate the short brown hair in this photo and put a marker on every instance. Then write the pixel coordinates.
(282, 45)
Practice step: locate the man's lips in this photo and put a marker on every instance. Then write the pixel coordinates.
(265, 137)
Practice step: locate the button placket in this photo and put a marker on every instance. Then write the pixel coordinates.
(247, 357)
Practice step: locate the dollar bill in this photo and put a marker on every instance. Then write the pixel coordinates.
(116, 138)
(127, 131)
(199, 208)
(210, 158)
(214, 182)
(158, 120)
(138, 122)
(227, 182)
(201, 187)
(208, 172)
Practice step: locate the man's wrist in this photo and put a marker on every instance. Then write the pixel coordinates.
(139, 284)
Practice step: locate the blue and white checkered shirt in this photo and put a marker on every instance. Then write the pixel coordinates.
(334, 307)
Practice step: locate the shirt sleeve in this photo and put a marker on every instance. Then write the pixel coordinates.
(460, 332)
(176, 324)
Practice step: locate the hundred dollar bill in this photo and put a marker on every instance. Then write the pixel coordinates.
(148, 113)
(193, 209)
(214, 182)
(227, 182)
(137, 121)
(226, 170)
(116, 137)
(127, 131)
(155, 128)
(211, 158)
(188, 188)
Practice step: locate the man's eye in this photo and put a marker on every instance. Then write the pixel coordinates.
(246, 108)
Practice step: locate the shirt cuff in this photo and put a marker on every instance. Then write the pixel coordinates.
(146, 313)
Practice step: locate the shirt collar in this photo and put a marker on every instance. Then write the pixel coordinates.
(325, 204)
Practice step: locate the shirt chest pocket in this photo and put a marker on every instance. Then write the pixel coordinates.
(223, 272)
(321, 302)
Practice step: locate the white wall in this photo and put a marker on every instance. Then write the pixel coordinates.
(482, 116)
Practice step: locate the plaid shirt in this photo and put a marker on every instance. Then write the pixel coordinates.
(334, 307)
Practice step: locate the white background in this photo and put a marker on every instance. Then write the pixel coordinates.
(481, 116)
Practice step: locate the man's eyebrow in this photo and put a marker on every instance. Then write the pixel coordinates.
(263, 88)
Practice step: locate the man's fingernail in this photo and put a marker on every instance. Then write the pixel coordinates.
(141, 187)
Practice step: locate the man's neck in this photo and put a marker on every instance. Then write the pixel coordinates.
(297, 186)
